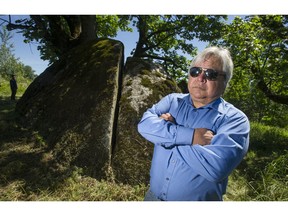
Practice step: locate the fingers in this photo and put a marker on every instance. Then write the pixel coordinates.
(167, 117)
(202, 136)
(208, 135)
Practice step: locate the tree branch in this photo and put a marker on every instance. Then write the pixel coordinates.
(282, 99)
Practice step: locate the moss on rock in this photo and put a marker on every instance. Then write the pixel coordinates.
(72, 105)
(143, 85)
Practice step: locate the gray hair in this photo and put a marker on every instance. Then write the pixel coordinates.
(221, 54)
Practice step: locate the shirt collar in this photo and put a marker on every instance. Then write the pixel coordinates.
(217, 104)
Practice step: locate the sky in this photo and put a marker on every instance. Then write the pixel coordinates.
(29, 55)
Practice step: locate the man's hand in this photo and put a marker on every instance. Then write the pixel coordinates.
(202, 136)
(168, 117)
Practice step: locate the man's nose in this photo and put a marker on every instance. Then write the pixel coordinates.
(202, 77)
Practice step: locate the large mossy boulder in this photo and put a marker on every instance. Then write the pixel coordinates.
(144, 84)
(72, 105)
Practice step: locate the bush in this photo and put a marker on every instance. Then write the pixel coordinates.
(267, 139)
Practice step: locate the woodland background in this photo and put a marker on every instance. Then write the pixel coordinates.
(259, 87)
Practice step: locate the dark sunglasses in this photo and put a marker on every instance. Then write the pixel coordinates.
(210, 74)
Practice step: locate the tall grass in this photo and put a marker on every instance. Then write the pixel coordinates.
(263, 175)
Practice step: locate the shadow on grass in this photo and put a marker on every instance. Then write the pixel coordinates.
(23, 157)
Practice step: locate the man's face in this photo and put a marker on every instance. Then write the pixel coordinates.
(203, 91)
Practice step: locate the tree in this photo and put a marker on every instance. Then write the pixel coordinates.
(28, 72)
(163, 38)
(9, 64)
(259, 47)
(7, 59)
(167, 38)
(57, 34)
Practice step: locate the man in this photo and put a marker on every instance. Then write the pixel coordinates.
(199, 137)
(13, 87)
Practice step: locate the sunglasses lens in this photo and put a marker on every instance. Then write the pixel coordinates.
(195, 71)
(211, 74)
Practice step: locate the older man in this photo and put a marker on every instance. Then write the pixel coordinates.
(199, 138)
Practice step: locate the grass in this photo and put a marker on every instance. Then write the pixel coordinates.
(263, 175)
(27, 171)
(74, 187)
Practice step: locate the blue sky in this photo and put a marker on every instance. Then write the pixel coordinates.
(29, 55)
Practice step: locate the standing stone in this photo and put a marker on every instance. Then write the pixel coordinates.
(72, 106)
(144, 84)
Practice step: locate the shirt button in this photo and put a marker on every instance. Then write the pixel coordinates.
(173, 161)
(167, 179)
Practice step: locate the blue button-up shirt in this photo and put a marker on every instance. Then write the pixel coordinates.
(182, 171)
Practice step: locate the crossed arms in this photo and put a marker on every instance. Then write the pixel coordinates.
(201, 136)
(215, 156)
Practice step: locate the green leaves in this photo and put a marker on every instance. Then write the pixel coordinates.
(164, 38)
(258, 45)
(9, 64)
(168, 38)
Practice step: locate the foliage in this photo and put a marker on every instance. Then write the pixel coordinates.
(258, 45)
(259, 48)
(164, 38)
(108, 25)
(8, 63)
(168, 38)
(57, 34)
(254, 103)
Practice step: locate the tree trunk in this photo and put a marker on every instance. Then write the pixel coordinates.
(88, 28)
(142, 35)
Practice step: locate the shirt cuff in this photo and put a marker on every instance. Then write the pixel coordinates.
(184, 136)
